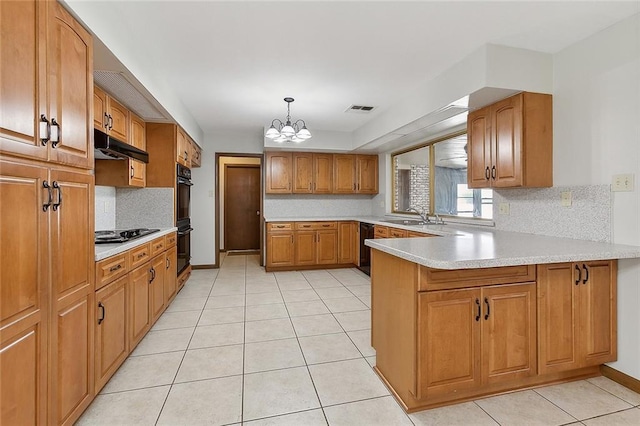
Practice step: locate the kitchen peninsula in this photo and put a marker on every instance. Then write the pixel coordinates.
(485, 312)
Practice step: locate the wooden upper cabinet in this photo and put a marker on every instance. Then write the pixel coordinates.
(367, 174)
(100, 110)
(279, 172)
(323, 173)
(196, 155)
(510, 143)
(183, 149)
(138, 132)
(302, 173)
(22, 92)
(344, 173)
(46, 84)
(119, 121)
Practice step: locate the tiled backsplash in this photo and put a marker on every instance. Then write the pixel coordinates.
(540, 211)
(285, 206)
(144, 208)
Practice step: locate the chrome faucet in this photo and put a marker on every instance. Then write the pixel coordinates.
(438, 219)
(422, 214)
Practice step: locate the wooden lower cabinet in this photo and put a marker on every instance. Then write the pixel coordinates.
(139, 304)
(577, 314)
(156, 287)
(171, 270)
(474, 337)
(111, 342)
(305, 247)
(280, 248)
(347, 242)
(327, 247)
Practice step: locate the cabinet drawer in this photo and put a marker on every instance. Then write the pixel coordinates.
(303, 226)
(157, 246)
(444, 279)
(397, 233)
(380, 231)
(139, 255)
(280, 226)
(415, 234)
(109, 269)
(170, 240)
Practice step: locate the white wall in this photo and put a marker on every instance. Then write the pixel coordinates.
(203, 190)
(596, 121)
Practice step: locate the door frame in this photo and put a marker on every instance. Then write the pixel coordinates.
(240, 166)
(217, 201)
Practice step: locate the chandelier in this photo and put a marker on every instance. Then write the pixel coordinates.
(287, 131)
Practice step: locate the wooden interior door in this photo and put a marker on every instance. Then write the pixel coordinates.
(242, 207)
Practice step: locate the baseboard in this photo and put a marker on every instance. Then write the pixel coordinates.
(621, 378)
(211, 266)
(308, 267)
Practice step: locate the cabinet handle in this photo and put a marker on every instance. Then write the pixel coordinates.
(59, 203)
(487, 173)
(354, 186)
(141, 255)
(292, 239)
(102, 311)
(586, 274)
(45, 130)
(55, 133)
(309, 186)
(579, 274)
(168, 263)
(493, 172)
(46, 186)
(153, 275)
(479, 310)
(131, 172)
(115, 268)
(315, 186)
(110, 122)
(106, 121)
(326, 226)
(486, 301)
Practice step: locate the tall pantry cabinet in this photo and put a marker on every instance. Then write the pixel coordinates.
(46, 208)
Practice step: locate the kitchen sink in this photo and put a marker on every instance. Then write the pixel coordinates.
(406, 222)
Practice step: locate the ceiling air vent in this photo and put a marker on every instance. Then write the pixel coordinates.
(117, 85)
(361, 109)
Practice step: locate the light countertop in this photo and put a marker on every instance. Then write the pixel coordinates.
(107, 250)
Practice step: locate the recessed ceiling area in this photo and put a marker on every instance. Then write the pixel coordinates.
(228, 65)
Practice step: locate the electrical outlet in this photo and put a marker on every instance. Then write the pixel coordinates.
(106, 206)
(211, 194)
(623, 183)
(503, 208)
(566, 198)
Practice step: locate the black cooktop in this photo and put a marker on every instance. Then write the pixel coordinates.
(121, 235)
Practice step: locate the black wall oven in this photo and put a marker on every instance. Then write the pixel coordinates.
(183, 218)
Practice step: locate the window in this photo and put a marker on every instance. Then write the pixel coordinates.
(433, 178)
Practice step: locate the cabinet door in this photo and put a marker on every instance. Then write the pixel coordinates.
(196, 158)
(138, 132)
(305, 247)
(279, 175)
(346, 242)
(100, 112)
(558, 285)
(506, 131)
(367, 179)
(156, 286)
(138, 304)
(448, 341)
(327, 247)
(119, 121)
(302, 173)
(137, 173)
(323, 173)
(509, 341)
(70, 60)
(479, 149)
(24, 298)
(280, 249)
(112, 343)
(183, 149)
(71, 349)
(22, 61)
(598, 313)
(171, 271)
(344, 174)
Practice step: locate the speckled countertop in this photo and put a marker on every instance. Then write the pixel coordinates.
(106, 250)
(465, 247)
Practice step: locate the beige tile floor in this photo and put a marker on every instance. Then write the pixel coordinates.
(241, 346)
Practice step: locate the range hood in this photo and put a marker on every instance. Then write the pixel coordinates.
(109, 148)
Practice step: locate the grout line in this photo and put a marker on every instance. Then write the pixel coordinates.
(244, 342)
(486, 412)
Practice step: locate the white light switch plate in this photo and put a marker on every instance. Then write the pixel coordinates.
(503, 208)
(623, 182)
(566, 198)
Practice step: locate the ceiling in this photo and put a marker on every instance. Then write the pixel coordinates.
(230, 64)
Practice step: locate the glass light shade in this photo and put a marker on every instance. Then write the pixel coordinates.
(304, 133)
(280, 139)
(296, 139)
(272, 133)
(288, 130)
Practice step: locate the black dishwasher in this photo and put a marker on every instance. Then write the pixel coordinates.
(366, 232)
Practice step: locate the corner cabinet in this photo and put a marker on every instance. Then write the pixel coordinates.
(510, 143)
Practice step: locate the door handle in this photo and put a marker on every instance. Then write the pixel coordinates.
(479, 310)
(131, 172)
(102, 311)
(493, 172)
(579, 274)
(486, 301)
(487, 173)
(168, 263)
(45, 130)
(106, 121)
(46, 205)
(586, 274)
(258, 213)
(59, 203)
